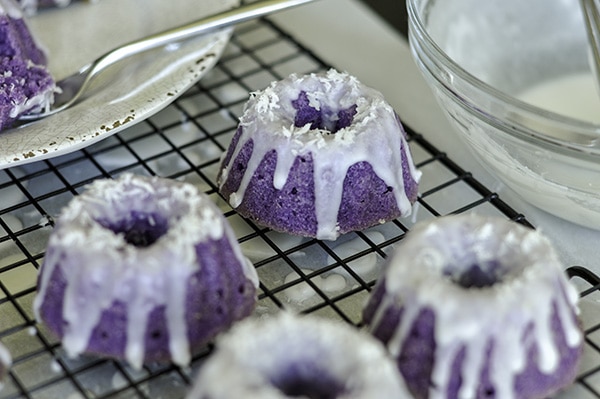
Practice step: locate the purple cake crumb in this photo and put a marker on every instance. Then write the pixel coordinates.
(25, 84)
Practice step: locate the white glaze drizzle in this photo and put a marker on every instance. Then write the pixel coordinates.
(103, 268)
(374, 136)
(502, 313)
(347, 354)
(10, 8)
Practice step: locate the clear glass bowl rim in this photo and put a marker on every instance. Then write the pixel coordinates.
(589, 132)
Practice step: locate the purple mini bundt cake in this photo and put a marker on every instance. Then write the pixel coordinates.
(26, 85)
(477, 307)
(5, 363)
(142, 269)
(319, 156)
(290, 356)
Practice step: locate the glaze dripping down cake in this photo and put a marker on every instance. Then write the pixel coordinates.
(142, 269)
(319, 155)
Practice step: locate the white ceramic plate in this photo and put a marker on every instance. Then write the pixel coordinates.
(130, 91)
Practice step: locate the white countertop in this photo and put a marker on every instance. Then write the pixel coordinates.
(351, 37)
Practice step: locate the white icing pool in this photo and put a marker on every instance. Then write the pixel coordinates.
(574, 95)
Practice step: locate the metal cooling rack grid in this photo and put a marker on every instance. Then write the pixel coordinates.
(185, 142)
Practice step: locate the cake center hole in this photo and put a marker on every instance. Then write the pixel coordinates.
(322, 118)
(475, 276)
(140, 229)
(299, 382)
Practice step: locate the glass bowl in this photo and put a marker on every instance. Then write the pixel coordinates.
(505, 72)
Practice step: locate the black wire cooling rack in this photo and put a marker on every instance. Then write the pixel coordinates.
(185, 142)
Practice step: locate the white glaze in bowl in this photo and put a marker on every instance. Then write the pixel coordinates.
(479, 58)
